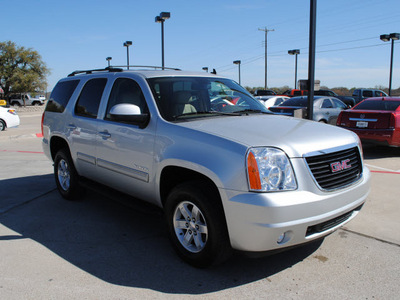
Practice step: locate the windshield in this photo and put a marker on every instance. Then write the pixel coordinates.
(378, 105)
(191, 97)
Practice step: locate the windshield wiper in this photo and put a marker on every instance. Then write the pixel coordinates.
(257, 111)
(207, 113)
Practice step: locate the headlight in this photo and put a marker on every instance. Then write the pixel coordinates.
(269, 169)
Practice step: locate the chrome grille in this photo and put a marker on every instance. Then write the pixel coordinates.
(337, 169)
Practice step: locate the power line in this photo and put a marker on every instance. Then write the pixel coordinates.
(266, 33)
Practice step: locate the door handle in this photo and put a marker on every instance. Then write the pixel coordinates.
(71, 126)
(105, 134)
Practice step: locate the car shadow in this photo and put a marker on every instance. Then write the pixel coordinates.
(377, 152)
(128, 245)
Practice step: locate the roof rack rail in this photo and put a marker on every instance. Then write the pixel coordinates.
(109, 69)
(150, 67)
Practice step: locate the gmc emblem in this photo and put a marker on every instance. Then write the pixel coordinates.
(340, 166)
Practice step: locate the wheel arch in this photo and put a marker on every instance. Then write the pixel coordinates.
(57, 143)
(4, 122)
(172, 176)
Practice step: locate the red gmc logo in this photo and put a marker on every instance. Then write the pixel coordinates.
(340, 166)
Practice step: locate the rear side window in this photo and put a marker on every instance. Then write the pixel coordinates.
(60, 95)
(368, 94)
(89, 100)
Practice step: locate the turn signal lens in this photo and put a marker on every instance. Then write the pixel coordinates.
(252, 170)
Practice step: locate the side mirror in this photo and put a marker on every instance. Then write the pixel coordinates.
(129, 113)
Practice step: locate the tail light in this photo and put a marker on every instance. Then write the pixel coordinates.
(41, 125)
(339, 119)
(392, 123)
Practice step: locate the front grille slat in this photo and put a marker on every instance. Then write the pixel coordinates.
(337, 169)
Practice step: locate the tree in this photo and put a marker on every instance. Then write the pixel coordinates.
(21, 70)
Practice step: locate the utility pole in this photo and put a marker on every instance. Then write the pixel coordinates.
(266, 33)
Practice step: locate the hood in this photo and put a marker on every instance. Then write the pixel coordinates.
(295, 136)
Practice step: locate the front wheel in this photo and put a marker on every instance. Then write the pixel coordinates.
(66, 176)
(196, 224)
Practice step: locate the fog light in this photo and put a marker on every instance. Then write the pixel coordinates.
(280, 238)
(284, 237)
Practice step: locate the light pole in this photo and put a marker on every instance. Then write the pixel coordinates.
(108, 59)
(161, 19)
(295, 52)
(238, 62)
(127, 44)
(205, 69)
(387, 38)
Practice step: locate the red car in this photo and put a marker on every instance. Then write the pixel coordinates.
(375, 120)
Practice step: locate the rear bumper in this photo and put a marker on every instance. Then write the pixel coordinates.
(378, 136)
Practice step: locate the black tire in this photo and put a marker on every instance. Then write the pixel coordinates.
(2, 125)
(67, 179)
(206, 232)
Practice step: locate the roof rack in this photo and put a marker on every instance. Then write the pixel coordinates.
(149, 67)
(109, 69)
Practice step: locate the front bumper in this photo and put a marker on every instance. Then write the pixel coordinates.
(269, 221)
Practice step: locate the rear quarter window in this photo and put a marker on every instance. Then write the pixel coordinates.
(60, 95)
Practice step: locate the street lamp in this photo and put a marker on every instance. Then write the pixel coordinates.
(295, 52)
(127, 44)
(108, 59)
(238, 62)
(161, 19)
(387, 38)
(205, 69)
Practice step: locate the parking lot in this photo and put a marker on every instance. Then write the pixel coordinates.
(99, 248)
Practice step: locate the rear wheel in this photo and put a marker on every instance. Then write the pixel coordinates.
(2, 125)
(196, 224)
(66, 176)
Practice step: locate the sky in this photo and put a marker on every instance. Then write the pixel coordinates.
(75, 35)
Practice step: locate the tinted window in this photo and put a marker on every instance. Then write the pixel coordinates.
(339, 104)
(89, 99)
(367, 94)
(184, 98)
(378, 105)
(326, 104)
(126, 91)
(296, 101)
(60, 95)
(379, 94)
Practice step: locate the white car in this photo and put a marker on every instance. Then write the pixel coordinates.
(269, 101)
(8, 118)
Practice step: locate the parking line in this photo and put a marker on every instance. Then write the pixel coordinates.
(20, 151)
(386, 172)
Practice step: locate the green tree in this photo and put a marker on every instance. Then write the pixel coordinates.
(21, 69)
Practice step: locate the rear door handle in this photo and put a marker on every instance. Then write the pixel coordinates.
(71, 126)
(105, 134)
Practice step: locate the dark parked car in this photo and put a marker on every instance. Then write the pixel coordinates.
(361, 94)
(264, 93)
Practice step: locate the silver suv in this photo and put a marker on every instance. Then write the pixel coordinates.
(226, 172)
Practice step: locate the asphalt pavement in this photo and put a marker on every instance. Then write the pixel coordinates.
(98, 248)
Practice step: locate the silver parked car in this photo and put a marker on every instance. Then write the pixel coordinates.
(326, 109)
(227, 173)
